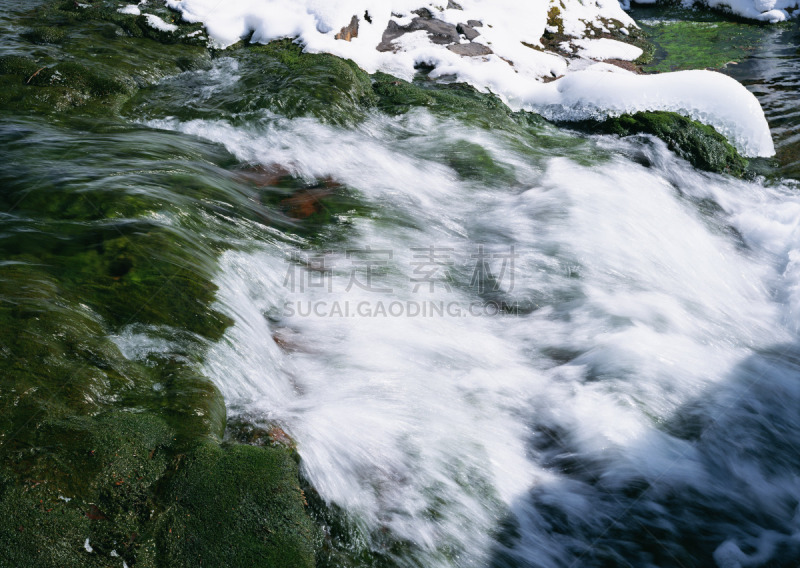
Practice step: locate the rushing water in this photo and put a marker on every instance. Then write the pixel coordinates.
(773, 73)
(497, 349)
(635, 402)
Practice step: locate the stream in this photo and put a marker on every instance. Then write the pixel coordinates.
(492, 346)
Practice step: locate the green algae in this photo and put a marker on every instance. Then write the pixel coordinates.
(121, 481)
(277, 77)
(83, 259)
(696, 39)
(46, 34)
(451, 100)
(97, 446)
(89, 59)
(324, 86)
(253, 489)
(700, 144)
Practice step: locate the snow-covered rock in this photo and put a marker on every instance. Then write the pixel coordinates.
(708, 97)
(507, 57)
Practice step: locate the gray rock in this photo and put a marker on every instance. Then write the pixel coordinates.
(475, 23)
(453, 5)
(470, 49)
(468, 31)
(438, 31)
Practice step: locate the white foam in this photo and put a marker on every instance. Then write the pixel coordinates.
(655, 304)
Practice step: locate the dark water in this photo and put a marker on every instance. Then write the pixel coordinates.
(772, 73)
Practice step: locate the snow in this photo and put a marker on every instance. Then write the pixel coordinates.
(705, 96)
(131, 9)
(159, 24)
(513, 30)
(607, 49)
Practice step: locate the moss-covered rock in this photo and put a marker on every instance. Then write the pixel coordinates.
(120, 485)
(700, 144)
(90, 57)
(278, 77)
(94, 442)
(18, 65)
(255, 490)
(451, 100)
(99, 449)
(46, 34)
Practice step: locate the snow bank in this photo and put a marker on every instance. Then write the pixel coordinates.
(607, 49)
(705, 96)
(506, 24)
(510, 60)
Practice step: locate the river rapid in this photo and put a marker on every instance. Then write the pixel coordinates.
(492, 347)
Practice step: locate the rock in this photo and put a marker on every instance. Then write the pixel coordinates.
(470, 49)
(438, 31)
(349, 31)
(475, 23)
(391, 33)
(453, 5)
(467, 31)
(699, 144)
(236, 505)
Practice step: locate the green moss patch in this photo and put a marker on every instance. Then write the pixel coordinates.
(693, 39)
(453, 100)
(89, 57)
(252, 489)
(701, 145)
